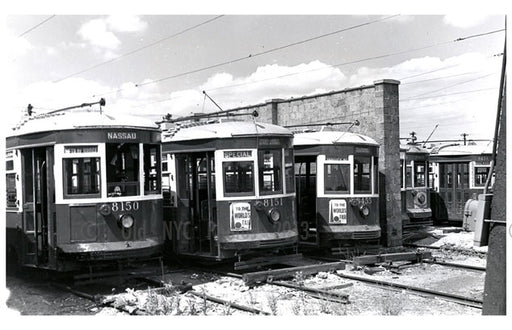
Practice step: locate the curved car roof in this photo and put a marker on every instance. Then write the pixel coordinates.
(413, 148)
(223, 130)
(79, 120)
(459, 150)
(332, 137)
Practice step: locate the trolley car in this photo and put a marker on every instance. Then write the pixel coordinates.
(459, 172)
(415, 192)
(83, 187)
(336, 177)
(228, 189)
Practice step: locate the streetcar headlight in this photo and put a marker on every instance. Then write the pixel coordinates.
(421, 198)
(364, 210)
(127, 221)
(274, 215)
(105, 210)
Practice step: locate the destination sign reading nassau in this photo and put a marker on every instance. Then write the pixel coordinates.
(121, 136)
(238, 154)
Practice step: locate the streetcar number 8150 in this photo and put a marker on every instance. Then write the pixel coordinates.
(125, 206)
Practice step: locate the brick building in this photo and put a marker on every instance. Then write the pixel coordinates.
(376, 108)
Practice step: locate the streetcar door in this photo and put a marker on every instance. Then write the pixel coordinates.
(37, 204)
(305, 183)
(196, 198)
(453, 189)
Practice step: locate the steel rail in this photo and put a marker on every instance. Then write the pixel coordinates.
(471, 302)
(229, 303)
(451, 264)
(443, 247)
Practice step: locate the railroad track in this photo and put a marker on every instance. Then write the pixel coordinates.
(467, 301)
(277, 277)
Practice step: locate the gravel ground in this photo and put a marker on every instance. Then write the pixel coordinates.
(29, 296)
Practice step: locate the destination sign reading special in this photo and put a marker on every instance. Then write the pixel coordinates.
(238, 154)
(121, 136)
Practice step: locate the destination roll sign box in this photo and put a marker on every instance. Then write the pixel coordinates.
(122, 136)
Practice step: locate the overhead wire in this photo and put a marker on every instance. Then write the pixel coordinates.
(345, 63)
(250, 56)
(447, 87)
(139, 49)
(36, 26)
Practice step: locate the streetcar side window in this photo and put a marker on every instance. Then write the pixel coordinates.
(362, 175)
(375, 175)
(289, 170)
(419, 174)
(123, 169)
(402, 166)
(337, 178)
(10, 182)
(408, 176)
(238, 178)
(270, 169)
(152, 169)
(82, 177)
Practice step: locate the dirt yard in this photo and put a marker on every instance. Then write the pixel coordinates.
(29, 296)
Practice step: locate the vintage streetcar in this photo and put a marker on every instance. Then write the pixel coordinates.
(336, 177)
(83, 188)
(228, 189)
(458, 173)
(415, 192)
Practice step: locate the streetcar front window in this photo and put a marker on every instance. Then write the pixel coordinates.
(337, 178)
(152, 169)
(82, 176)
(238, 178)
(123, 169)
(362, 175)
(481, 173)
(270, 169)
(419, 174)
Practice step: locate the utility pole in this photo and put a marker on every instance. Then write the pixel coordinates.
(464, 135)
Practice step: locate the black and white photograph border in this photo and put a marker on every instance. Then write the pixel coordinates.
(385, 101)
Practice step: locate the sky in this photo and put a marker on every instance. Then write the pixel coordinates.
(151, 65)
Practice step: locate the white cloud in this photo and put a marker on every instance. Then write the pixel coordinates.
(464, 20)
(469, 112)
(96, 32)
(17, 46)
(126, 23)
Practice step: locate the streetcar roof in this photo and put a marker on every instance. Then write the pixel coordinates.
(79, 120)
(458, 150)
(413, 148)
(223, 130)
(332, 137)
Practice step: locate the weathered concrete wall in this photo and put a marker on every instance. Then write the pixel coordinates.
(376, 108)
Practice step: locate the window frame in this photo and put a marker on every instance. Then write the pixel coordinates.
(370, 173)
(280, 174)
(139, 183)
(61, 150)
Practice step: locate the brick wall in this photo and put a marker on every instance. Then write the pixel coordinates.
(376, 108)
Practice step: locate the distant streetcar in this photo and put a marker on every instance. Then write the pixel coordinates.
(83, 187)
(229, 189)
(415, 191)
(459, 172)
(336, 177)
